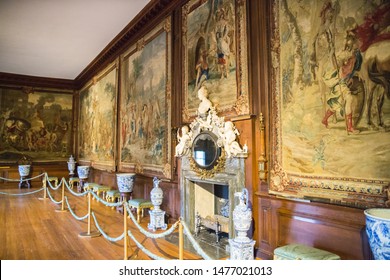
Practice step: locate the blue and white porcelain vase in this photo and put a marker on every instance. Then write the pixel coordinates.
(24, 170)
(156, 194)
(71, 166)
(83, 171)
(378, 232)
(125, 182)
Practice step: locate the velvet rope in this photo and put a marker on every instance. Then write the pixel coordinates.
(56, 187)
(18, 180)
(109, 204)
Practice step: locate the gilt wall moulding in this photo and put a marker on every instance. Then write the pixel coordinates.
(328, 143)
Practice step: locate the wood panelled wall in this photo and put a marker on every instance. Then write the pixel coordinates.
(276, 221)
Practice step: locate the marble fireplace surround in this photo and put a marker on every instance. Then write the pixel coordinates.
(233, 176)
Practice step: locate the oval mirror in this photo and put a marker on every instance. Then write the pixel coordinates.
(205, 150)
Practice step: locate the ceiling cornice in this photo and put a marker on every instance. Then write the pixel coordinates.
(33, 81)
(147, 18)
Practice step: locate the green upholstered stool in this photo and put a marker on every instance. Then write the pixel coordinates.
(140, 204)
(99, 189)
(112, 196)
(74, 181)
(302, 252)
(89, 186)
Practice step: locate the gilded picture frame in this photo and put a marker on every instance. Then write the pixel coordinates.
(145, 104)
(214, 35)
(320, 151)
(97, 120)
(35, 122)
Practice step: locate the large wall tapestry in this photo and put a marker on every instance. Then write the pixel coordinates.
(97, 120)
(215, 55)
(145, 104)
(36, 123)
(331, 137)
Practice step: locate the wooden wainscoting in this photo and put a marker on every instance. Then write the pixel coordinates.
(337, 229)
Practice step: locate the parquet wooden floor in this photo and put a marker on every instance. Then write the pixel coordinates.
(32, 229)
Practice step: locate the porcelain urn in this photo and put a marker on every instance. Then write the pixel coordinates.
(125, 182)
(83, 171)
(156, 195)
(378, 232)
(24, 170)
(71, 165)
(242, 216)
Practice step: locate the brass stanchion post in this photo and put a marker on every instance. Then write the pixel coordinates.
(125, 230)
(63, 198)
(181, 242)
(89, 233)
(44, 185)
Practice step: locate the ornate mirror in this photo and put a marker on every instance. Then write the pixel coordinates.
(205, 150)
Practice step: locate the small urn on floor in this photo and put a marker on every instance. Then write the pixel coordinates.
(156, 215)
(83, 172)
(242, 247)
(125, 183)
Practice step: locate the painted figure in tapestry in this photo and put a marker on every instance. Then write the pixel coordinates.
(211, 52)
(334, 79)
(36, 124)
(144, 117)
(97, 109)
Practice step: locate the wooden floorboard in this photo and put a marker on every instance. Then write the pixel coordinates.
(34, 229)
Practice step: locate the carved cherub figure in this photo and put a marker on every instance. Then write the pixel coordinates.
(231, 146)
(183, 141)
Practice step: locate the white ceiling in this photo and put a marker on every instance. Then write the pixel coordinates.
(59, 38)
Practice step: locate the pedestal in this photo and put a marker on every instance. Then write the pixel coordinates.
(23, 182)
(157, 220)
(125, 196)
(80, 186)
(241, 250)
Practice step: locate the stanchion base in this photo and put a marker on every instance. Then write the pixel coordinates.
(60, 210)
(91, 234)
(42, 198)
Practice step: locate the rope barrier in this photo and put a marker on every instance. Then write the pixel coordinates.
(104, 234)
(73, 214)
(143, 249)
(148, 234)
(18, 180)
(57, 186)
(20, 194)
(109, 204)
(195, 244)
(51, 198)
(183, 227)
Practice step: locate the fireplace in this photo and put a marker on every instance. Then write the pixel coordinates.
(211, 198)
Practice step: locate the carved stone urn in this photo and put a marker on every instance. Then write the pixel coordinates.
(157, 216)
(71, 166)
(242, 247)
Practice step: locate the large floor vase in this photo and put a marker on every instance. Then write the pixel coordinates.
(378, 232)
